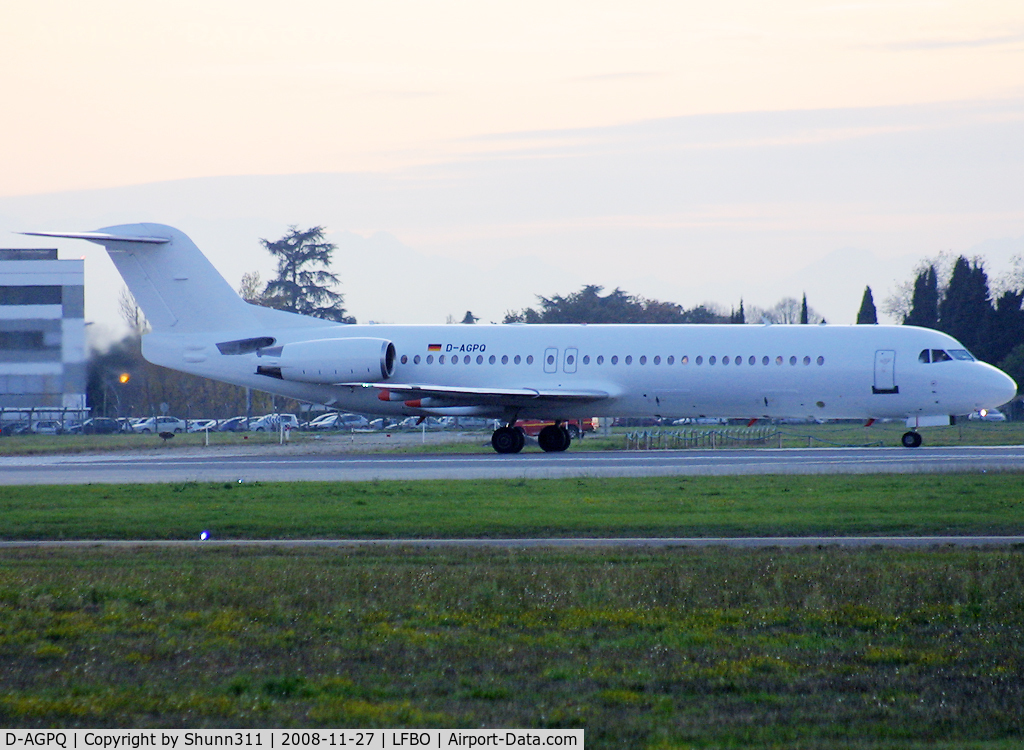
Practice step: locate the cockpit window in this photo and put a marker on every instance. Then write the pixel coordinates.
(938, 355)
(962, 354)
(923, 356)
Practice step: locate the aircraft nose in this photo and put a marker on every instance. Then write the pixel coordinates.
(999, 388)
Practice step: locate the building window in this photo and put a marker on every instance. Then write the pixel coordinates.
(22, 340)
(30, 295)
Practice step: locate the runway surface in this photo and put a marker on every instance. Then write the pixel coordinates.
(584, 543)
(265, 464)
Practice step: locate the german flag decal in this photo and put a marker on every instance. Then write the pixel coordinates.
(433, 347)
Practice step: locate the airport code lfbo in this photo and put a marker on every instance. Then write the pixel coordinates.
(279, 739)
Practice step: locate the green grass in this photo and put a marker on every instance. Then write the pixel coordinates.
(643, 649)
(792, 436)
(654, 506)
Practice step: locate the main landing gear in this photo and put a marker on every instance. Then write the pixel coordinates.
(510, 439)
(911, 439)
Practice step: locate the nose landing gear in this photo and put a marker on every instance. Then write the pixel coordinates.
(911, 439)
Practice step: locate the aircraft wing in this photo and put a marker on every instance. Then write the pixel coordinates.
(469, 396)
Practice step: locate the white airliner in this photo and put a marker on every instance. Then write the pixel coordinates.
(557, 372)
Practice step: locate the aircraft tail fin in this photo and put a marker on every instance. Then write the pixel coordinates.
(177, 288)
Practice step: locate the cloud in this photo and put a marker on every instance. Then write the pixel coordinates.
(940, 44)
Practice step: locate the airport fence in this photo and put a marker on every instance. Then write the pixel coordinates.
(738, 437)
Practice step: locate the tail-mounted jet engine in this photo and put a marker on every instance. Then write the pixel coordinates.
(328, 361)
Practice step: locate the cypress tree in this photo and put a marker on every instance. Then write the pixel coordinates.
(804, 317)
(867, 313)
(924, 307)
(965, 312)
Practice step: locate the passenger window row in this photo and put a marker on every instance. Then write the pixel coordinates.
(614, 359)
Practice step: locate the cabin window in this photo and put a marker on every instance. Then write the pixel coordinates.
(529, 359)
(778, 360)
(405, 359)
(643, 359)
(586, 359)
(821, 361)
(504, 359)
(455, 359)
(699, 360)
(792, 361)
(570, 360)
(517, 360)
(765, 361)
(465, 360)
(600, 359)
(725, 360)
(684, 360)
(551, 359)
(629, 359)
(416, 359)
(492, 359)
(668, 361)
(479, 359)
(712, 360)
(430, 359)
(657, 360)
(753, 360)
(807, 361)
(615, 359)
(739, 360)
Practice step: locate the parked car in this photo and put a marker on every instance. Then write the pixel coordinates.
(160, 424)
(988, 415)
(100, 426)
(336, 421)
(46, 427)
(235, 424)
(199, 425)
(273, 422)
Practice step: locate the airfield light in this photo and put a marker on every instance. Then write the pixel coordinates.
(124, 378)
(204, 536)
(983, 412)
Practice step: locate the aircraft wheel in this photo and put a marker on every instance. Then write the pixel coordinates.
(507, 440)
(911, 440)
(554, 439)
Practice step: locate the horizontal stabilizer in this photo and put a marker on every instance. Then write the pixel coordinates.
(101, 237)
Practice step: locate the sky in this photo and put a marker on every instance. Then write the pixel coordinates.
(466, 153)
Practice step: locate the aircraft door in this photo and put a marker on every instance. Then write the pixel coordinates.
(885, 372)
(551, 360)
(569, 363)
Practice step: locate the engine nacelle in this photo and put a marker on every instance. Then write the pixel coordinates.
(328, 361)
